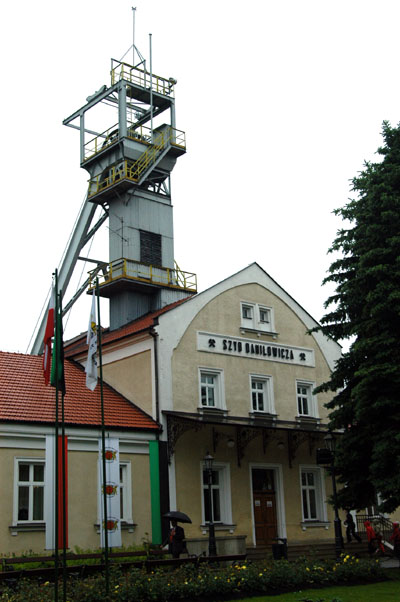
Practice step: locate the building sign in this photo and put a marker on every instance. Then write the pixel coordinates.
(240, 347)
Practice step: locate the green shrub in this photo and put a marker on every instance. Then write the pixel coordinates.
(189, 582)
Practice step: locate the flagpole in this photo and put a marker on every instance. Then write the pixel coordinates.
(54, 358)
(63, 458)
(103, 441)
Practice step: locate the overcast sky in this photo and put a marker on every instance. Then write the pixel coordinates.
(281, 103)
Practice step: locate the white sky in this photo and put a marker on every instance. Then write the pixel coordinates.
(281, 103)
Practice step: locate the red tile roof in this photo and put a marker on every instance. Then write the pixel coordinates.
(78, 345)
(25, 398)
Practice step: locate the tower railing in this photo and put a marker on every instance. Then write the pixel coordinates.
(111, 136)
(134, 170)
(141, 78)
(146, 273)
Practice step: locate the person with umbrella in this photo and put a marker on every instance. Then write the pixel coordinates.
(176, 536)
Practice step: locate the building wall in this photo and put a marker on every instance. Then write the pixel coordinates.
(190, 451)
(222, 316)
(132, 377)
(83, 515)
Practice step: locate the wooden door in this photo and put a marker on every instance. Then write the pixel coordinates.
(264, 504)
(265, 518)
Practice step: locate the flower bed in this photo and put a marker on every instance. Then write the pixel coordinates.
(191, 583)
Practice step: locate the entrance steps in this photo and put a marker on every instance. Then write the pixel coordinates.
(324, 550)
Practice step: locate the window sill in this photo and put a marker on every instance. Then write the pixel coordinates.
(218, 527)
(314, 524)
(212, 411)
(263, 416)
(309, 421)
(27, 528)
(259, 331)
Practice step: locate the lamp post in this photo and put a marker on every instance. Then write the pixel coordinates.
(212, 548)
(330, 443)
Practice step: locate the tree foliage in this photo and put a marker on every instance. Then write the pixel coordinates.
(365, 309)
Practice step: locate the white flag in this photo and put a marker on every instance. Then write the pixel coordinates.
(91, 340)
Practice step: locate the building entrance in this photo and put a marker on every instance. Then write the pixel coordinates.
(264, 504)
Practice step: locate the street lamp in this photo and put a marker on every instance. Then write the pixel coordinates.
(212, 548)
(330, 443)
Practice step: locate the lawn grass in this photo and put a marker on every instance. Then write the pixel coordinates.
(385, 591)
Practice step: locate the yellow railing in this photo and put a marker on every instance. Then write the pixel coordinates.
(134, 270)
(140, 133)
(133, 170)
(141, 78)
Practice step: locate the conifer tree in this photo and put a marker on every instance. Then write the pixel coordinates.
(365, 309)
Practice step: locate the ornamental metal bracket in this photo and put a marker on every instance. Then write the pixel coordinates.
(295, 439)
(243, 437)
(176, 426)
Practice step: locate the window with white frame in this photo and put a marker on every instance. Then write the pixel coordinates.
(211, 388)
(306, 402)
(125, 491)
(29, 490)
(311, 494)
(261, 394)
(220, 495)
(256, 317)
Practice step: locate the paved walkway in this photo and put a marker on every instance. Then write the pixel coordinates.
(390, 563)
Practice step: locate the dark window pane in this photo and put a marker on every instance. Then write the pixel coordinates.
(23, 472)
(216, 506)
(23, 503)
(305, 505)
(313, 504)
(38, 472)
(37, 503)
(262, 479)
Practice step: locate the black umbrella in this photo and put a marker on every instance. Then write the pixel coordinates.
(180, 517)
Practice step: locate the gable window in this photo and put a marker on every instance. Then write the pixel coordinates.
(29, 498)
(247, 312)
(261, 394)
(265, 315)
(220, 493)
(256, 317)
(211, 389)
(306, 402)
(311, 494)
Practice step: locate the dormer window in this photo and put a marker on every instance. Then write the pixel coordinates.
(256, 317)
(247, 312)
(265, 315)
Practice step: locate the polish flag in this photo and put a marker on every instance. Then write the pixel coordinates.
(48, 334)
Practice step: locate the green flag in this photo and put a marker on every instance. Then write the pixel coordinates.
(57, 363)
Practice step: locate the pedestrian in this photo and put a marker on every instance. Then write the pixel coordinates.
(395, 538)
(176, 540)
(379, 536)
(371, 537)
(351, 528)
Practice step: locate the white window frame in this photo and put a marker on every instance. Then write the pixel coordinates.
(268, 393)
(224, 486)
(126, 486)
(312, 399)
(254, 321)
(320, 497)
(30, 484)
(219, 388)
